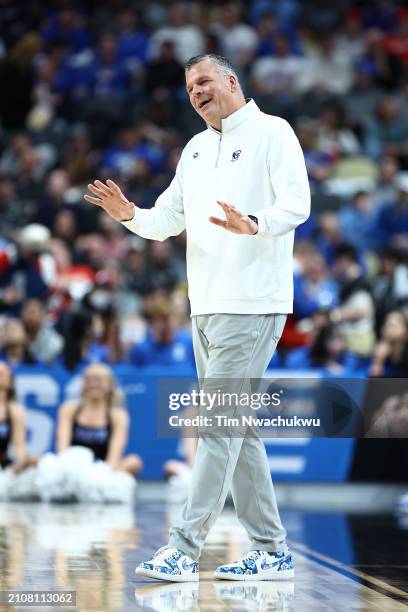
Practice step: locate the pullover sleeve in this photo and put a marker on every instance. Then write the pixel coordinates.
(287, 171)
(166, 218)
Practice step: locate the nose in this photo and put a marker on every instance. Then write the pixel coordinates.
(196, 91)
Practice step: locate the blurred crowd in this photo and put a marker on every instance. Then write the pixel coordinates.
(96, 90)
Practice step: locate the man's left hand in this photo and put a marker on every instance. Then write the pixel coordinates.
(235, 222)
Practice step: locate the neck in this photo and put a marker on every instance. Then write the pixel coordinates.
(3, 397)
(15, 353)
(236, 104)
(95, 404)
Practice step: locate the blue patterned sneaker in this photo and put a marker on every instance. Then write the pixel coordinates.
(170, 564)
(259, 565)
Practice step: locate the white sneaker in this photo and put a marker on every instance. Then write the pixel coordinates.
(170, 564)
(259, 565)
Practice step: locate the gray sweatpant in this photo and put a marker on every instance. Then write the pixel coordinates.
(231, 346)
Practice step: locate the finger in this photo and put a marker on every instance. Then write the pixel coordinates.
(96, 191)
(92, 200)
(114, 187)
(217, 221)
(103, 187)
(224, 204)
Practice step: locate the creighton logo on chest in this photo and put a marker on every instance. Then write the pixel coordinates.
(235, 155)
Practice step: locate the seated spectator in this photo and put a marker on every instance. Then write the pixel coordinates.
(328, 352)
(314, 288)
(187, 38)
(386, 189)
(67, 25)
(390, 287)
(132, 39)
(98, 421)
(165, 269)
(356, 310)
(387, 133)
(29, 268)
(80, 349)
(14, 348)
(238, 39)
(121, 158)
(391, 225)
(110, 77)
(45, 344)
(12, 424)
(268, 29)
(357, 220)
(326, 59)
(278, 74)
(164, 345)
(319, 165)
(390, 356)
(335, 137)
(164, 74)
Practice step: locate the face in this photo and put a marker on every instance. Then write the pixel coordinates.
(97, 381)
(14, 333)
(212, 94)
(33, 314)
(395, 327)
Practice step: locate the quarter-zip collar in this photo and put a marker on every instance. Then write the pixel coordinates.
(236, 118)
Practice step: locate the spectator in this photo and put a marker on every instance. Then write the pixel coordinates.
(357, 220)
(80, 350)
(314, 289)
(391, 225)
(390, 287)
(390, 357)
(238, 40)
(356, 309)
(45, 344)
(388, 132)
(327, 352)
(133, 40)
(187, 38)
(164, 345)
(278, 74)
(328, 68)
(14, 350)
(164, 74)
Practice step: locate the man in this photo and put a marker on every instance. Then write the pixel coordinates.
(239, 270)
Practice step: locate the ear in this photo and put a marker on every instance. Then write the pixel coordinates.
(233, 83)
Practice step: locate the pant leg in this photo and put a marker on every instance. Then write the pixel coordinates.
(252, 489)
(237, 349)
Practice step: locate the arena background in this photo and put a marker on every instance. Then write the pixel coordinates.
(91, 90)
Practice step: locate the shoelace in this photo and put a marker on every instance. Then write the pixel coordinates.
(253, 555)
(163, 554)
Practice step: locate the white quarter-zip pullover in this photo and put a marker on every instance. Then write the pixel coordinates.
(256, 164)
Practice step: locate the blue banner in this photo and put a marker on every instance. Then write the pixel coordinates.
(42, 390)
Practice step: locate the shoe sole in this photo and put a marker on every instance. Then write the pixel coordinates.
(282, 575)
(166, 577)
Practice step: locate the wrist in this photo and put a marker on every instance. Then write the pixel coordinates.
(133, 212)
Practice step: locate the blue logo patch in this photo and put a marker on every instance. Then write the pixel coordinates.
(236, 155)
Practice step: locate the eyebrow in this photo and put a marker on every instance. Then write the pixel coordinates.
(201, 78)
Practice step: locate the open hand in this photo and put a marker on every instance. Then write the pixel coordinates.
(235, 222)
(111, 199)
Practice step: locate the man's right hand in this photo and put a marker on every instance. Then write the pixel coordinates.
(111, 199)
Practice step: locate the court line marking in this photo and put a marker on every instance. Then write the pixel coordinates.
(371, 579)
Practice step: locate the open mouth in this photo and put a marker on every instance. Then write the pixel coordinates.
(202, 105)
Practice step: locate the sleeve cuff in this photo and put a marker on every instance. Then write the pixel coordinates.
(262, 225)
(131, 224)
